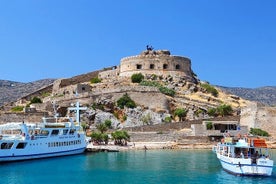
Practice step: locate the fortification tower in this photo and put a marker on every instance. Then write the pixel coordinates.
(158, 62)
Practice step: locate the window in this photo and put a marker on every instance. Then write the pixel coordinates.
(151, 66)
(65, 131)
(72, 131)
(165, 66)
(139, 67)
(44, 132)
(55, 132)
(21, 145)
(177, 67)
(6, 145)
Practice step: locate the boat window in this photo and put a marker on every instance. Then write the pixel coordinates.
(55, 132)
(44, 132)
(72, 131)
(6, 145)
(65, 131)
(21, 145)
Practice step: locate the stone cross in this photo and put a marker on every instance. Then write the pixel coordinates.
(77, 109)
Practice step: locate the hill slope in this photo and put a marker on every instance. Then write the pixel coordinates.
(11, 91)
(265, 95)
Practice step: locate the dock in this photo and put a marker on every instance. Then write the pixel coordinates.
(102, 148)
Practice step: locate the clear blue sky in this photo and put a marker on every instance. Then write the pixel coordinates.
(230, 42)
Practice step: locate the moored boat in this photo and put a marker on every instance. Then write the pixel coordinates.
(23, 141)
(245, 156)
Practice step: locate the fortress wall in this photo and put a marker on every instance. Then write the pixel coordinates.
(20, 117)
(109, 74)
(156, 64)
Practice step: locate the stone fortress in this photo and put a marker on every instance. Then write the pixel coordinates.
(153, 62)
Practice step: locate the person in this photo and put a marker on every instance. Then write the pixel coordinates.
(257, 154)
(145, 147)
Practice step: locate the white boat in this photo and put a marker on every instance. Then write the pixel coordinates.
(23, 141)
(245, 156)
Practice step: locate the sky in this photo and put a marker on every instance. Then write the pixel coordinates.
(230, 42)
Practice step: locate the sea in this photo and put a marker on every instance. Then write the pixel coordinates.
(150, 166)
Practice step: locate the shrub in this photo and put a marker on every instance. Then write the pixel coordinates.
(95, 80)
(257, 131)
(137, 78)
(146, 119)
(224, 110)
(162, 89)
(108, 123)
(17, 109)
(101, 127)
(221, 110)
(180, 112)
(125, 100)
(209, 125)
(36, 100)
(168, 119)
(210, 89)
(212, 112)
(167, 91)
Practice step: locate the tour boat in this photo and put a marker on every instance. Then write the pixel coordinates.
(245, 156)
(23, 141)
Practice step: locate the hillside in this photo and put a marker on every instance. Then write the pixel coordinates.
(265, 95)
(11, 90)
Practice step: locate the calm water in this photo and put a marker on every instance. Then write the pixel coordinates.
(185, 166)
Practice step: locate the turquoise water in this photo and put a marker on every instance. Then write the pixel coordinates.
(168, 166)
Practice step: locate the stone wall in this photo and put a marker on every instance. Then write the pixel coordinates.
(256, 116)
(20, 117)
(158, 63)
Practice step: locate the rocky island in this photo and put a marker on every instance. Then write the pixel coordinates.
(155, 97)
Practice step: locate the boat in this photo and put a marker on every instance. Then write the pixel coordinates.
(49, 138)
(245, 156)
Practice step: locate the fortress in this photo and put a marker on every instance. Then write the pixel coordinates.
(153, 62)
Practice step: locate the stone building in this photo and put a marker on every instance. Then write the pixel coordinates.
(159, 62)
(153, 62)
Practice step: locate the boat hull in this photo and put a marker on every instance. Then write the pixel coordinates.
(244, 167)
(41, 155)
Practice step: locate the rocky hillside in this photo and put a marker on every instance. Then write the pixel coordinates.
(11, 91)
(264, 95)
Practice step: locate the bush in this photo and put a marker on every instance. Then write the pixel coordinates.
(107, 123)
(209, 125)
(259, 132)
(168, 119)
(137, 78)
(162, 89)
(224, 110)
(36, 100)
(221, 110)
(17, 109)
(95, 80)
(180, 112)
(210, 89)
(212, 112)
(125, 100)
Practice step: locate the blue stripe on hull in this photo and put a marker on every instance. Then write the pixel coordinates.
(43, 155)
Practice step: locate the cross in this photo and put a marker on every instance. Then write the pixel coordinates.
(77, 109)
